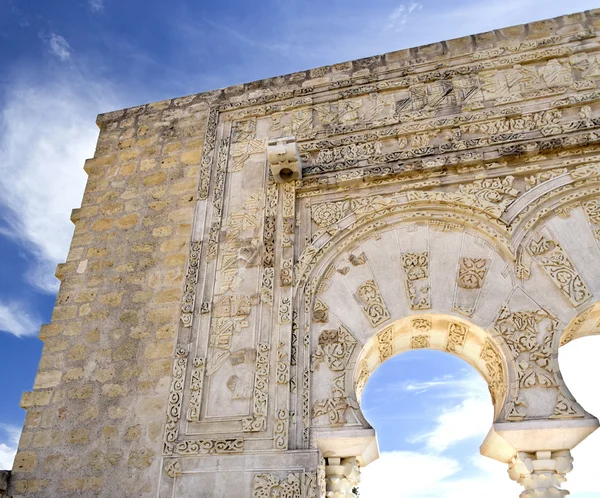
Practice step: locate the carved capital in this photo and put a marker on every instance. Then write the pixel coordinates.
(342, 476)
(541, 473)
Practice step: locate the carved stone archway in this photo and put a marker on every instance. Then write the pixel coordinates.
(244, 257)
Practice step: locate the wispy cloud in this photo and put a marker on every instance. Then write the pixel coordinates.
(399, 16)
(96, 5)
(9, 440)
(16, 319)
(59, 47)
(47, 131)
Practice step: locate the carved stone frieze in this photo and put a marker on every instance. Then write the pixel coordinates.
(209, 446)
(191, 279)
(257, 422)
(196, 383)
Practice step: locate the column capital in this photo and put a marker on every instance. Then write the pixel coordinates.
(541, 473)
(342, 476)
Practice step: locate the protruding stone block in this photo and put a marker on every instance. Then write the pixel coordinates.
(284, 159)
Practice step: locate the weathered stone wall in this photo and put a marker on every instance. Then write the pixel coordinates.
(95, 417)
(216, 327)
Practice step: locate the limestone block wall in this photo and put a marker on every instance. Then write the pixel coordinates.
(96, 414)
(214, 326)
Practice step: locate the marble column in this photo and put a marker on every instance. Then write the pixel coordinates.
(541, 473)
(342, 476)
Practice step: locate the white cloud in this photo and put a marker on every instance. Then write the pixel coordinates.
(15, 319)
(96, 5)
(438, 468)
(47, 131)
(408, 474)
(399, 16)
(59, 47)
(9, 440)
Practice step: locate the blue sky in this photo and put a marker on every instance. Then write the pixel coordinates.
(63, 62)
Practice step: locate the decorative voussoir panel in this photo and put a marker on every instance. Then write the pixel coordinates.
(557, 265)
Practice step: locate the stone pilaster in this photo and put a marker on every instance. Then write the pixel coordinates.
(342, 476)
(541, 473)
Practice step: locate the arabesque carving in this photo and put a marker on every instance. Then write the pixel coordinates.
(553, 259)
(372, 303)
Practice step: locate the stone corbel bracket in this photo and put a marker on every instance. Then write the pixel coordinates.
(284, 159)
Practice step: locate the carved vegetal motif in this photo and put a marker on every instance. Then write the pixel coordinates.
(553, 259)
(295, 485)
(286, 273)
(175, 397)
(457, 335)
(173, 468)
(495, 370)
(191, 279)
(209, 446)
(385, 339)
(529, 335)
(419, 341)
(416, 271)
(283, 365)
(266, 289)
(372, 303)
(544, 176)
(335, 348)
(566, 408)
(285, 310)
(471, 272)
(258, 420)
(334, 408)
(592, 210)
(208, 149)
(470, 278)
(289, 199)
(329, 213)
(492, 195)
(196, 383)
(320, 312)
(280, 438)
